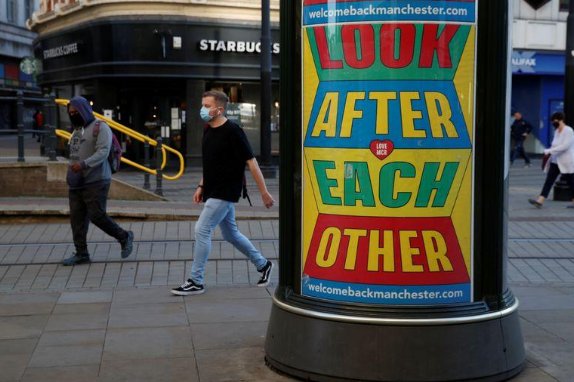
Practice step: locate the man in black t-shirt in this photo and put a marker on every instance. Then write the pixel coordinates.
(225, 152)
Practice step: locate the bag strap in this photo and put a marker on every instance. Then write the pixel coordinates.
(245, 194)
(96, 131)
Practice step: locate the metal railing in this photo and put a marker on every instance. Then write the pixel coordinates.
(49, 134)
(138, 136)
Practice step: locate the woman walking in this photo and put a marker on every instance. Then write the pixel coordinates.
(561, 159)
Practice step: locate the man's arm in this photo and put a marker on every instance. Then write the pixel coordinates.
(258, 177)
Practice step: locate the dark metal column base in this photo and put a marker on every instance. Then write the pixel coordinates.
(319, 349)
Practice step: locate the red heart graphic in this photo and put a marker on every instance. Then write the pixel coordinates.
(381, 149)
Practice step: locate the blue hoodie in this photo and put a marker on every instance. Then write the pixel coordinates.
(90, 148)
(84, 108)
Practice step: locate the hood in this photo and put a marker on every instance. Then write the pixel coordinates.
(83, 106)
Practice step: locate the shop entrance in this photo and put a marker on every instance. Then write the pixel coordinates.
(158, 112)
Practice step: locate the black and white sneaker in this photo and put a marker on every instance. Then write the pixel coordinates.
(188, 288)
(265, 274)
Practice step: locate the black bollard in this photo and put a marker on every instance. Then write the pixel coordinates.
(146, 184)
(20, 124)
(158, 160)
(51, 140)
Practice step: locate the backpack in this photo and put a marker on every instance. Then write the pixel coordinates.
(115, 155)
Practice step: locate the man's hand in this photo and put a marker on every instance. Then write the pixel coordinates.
(76, 167)
(268, 200)
(197, 195)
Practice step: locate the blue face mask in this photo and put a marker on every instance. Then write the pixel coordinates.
(204, 114)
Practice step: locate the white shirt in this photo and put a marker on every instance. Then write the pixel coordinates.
(562, 149)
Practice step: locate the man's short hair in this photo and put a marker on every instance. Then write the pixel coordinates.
(219, 97)
(557, 116)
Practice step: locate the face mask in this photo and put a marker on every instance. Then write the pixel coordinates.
(76, 120)
(204, 114)
(555, 124)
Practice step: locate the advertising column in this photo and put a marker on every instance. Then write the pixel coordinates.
(388, 111)
(392, 250)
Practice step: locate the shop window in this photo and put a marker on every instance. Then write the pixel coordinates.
(11, 71)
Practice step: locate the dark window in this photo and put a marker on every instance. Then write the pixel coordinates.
(29, 8)
(11, 11)
(564, 5)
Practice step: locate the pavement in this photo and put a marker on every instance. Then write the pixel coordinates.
(115, 320)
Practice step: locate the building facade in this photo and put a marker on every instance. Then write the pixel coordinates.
(17, 69)
(538, 64)
(146, 63)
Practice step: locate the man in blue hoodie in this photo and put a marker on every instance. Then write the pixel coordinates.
(89, 177)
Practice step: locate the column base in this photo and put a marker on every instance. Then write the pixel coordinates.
(317, 348)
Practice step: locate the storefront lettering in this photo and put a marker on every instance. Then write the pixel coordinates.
(234, 46)
(63, 50)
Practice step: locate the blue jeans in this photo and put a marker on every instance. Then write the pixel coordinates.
(219, 212)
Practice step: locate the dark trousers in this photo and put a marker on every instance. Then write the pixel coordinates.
(518, 149)
(553, 172)
(89, 205)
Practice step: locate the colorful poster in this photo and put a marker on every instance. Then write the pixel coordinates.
(388, 131)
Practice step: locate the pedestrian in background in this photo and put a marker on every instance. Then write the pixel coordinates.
(561, 159)
(519, 131)
(38, 124)
(225, 152)
(89, 177)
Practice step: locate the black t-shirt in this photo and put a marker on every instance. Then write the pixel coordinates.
(225, 151)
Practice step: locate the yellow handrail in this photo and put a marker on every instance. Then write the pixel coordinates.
(134, 134)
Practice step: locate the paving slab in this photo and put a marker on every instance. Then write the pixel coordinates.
(86, 297)
(77, 321)
(27, 303)
(66, 355)
(150, 370)
(227, 335)
(14, 358)
(83, 373)
(222, 311)
(22, 326)
(236, 364)
(147, 315)
(148, 343)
